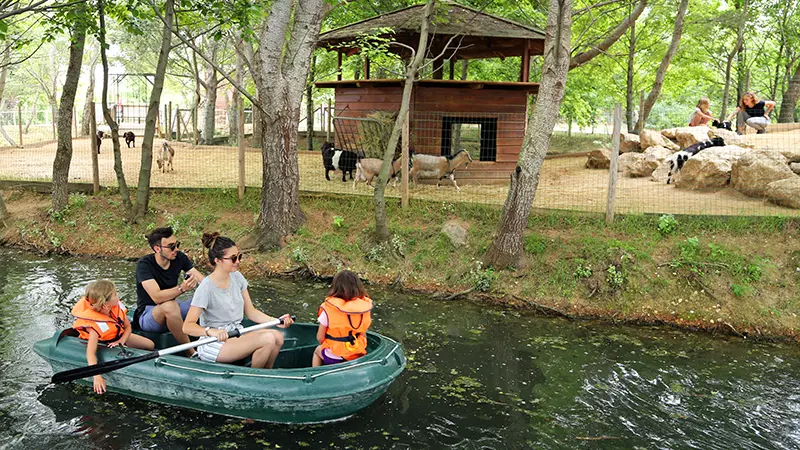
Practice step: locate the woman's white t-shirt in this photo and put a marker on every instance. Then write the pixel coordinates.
(222, 308)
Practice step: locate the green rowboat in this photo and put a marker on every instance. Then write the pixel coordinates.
(292, 392)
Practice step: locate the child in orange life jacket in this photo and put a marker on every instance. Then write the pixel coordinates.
(101, 318)
(343, 321)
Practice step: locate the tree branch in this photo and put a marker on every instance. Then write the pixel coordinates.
(582, 58)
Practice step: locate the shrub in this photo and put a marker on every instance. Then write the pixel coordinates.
(667, 224)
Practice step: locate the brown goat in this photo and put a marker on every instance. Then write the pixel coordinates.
(165, 158)
(439, 167)
(368, 168)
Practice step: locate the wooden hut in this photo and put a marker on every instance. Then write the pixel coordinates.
(486, 117)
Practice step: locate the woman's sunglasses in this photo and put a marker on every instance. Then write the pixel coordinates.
(172, 247)
(235, 258)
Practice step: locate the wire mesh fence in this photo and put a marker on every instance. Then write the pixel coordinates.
(750, 174)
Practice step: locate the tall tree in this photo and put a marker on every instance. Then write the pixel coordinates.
(741, 25)
(506, 246)
(662, 69)
(63, 157)
(790, 97)
(143, 187)
(84, 131)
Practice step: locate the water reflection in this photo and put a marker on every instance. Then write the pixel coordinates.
(478, 378)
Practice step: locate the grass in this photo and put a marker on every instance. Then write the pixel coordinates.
(735, 273)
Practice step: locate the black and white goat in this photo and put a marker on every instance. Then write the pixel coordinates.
(726, 125)
(677, 160)
(343, 160)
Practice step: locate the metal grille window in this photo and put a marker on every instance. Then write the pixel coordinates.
(478, 135)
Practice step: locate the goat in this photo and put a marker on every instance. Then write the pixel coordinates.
(679, 159)
(439, 167)
(99, 138)
(130, 138)
(726, 125)
(165, 157)
(343, 160)
(368, 168)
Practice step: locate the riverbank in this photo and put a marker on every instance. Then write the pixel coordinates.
(730, 275)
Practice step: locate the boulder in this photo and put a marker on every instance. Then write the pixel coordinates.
(650, 138)
(730, 137)
(791, 153)
(710, 168)
(756, 169)
(599, 159)
(661, 173)
(688, 136)
(456, 233)
(627, 159)
(629, 143)
(645, 163)
(669, 133)
(785, 192)
(795, 167)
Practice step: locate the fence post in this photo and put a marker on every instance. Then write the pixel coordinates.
(178, 125)
(241, 144)
(330, 120)
(19, 115)
(93, 148)
(613, 170)
(404, 167)
(169, 123)
(194, 123)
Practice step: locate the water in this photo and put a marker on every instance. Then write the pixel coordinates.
(478, 378)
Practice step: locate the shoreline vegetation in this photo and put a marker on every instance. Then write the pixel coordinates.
(737, 276)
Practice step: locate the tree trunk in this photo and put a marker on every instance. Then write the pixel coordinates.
(310, 106)
(790, 97)
(112, 124)
(89, 99)
(662, 69)
(3, 211)
(63, 157)
(731, 56)
(3, 75)
(232, 114)
(506, 247)
(256, 125)
(283, 62)
(629, 88)
(381, 228)
(143, 187)
(211, 100)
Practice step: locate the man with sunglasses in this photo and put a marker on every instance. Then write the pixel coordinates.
(158, 286)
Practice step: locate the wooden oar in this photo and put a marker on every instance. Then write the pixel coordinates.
(109, 366)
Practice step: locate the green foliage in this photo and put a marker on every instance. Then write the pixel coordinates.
(667, 224)
(483, 279)
(299, 255)
(615, 277)
(583, 270)
(338, 221)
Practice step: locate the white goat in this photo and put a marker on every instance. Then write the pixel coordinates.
(368, 168)
(165, 157)
(439, 167)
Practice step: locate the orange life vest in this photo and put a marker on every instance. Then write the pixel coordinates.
(108, 327)
(348, 322)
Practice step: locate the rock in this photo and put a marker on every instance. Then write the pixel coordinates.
(688, 136)
(792, 154)
(629, 143)
(711, 168)
(795, 167)
(661, 173)
(645, 163)
(758, 168)
(456, 233)
(669, 133)
(627, 159)
(730, 137)
(650, 138)
(785, 192)
(599, 159)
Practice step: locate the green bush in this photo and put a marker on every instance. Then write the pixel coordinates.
(667, 224)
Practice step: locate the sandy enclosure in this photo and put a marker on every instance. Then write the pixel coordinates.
(564, 184)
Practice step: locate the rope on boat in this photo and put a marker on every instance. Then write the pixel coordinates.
(229, 373)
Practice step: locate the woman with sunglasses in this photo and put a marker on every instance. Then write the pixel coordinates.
(220, 303)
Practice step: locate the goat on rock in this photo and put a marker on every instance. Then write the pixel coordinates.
(677, 160)
(343, 160)
(439, 167)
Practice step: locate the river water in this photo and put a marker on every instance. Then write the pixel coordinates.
(478, 378)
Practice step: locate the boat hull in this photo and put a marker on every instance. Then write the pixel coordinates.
(290, 393)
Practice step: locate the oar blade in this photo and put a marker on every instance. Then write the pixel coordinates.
(98, 369)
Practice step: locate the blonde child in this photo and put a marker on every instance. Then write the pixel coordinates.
(344, 319)
(101, 318)
(701, 114)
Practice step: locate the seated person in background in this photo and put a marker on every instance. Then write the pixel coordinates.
(344, 319)
(101, 318)
(701, 114)
(752, 112)
(158, 286)
(221, 302)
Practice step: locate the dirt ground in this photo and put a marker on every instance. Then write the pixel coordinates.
(564, 183)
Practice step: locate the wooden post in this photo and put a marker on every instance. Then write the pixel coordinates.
(178, 125)
(641, 113)
(169, 122)
(194, 123)
(241, 143)
(452, 68)
(613, 171)
(405, 136)
(330, 120)
(366, 67)
(93, 147)
(19, 115)
(339, 66)
(526, 62)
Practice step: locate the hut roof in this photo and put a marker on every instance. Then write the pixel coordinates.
(482, 35)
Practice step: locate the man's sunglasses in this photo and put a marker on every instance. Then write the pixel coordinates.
(172, 247)
(235, 258)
